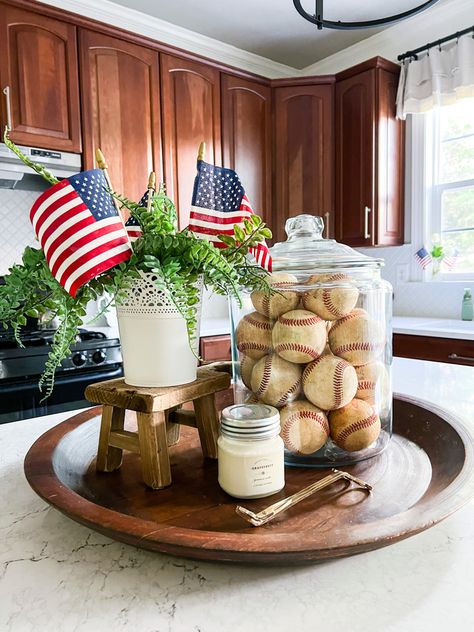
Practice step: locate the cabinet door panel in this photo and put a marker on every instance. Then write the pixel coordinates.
(246, 138)
(303, 143)
(355, 159)
(121, 110)
(191, 114)
(390, 160)
(39, 65)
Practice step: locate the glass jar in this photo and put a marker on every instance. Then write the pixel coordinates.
(319, 348)
(250, 451)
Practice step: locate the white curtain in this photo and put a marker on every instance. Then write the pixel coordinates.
(440, 77)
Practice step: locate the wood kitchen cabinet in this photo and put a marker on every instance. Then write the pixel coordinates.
(121, 109)
(191, 114)
(369, 166)
(215, 348)
(303, 143)
(39, 80)
(246, 138)
(451, 350)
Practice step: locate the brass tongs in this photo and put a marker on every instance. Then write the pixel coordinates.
(264, 516)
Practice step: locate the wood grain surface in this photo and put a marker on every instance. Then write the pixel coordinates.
(425, 474)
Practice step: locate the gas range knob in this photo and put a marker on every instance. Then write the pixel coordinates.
(79, 359)
(98, 357)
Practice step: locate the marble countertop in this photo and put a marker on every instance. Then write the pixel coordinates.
(58, 575)
(436, 327)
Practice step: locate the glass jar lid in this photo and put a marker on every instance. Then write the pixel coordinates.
(250, 421)
(306, 249)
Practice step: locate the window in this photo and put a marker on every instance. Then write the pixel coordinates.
(447, 175)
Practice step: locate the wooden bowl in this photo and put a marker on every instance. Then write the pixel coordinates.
(425, 474)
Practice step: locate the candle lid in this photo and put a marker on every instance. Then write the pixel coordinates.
(250, 421)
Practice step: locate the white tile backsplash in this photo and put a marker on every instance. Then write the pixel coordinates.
(16, 231)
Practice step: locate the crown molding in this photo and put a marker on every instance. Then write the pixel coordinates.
(168, 33)
(406, 35)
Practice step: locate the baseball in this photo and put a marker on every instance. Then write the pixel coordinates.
(368, 376)
(246, 366)
(254, 335)
(357, 338)
(333, 302)
(283, 301)
(355, 426)
(275, 381)
(299, 336)
(304, 428)
(329, 382)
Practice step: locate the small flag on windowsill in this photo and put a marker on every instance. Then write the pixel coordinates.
(451, 260)
(219, 201)
(423, 257)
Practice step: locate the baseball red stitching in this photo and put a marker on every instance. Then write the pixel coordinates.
(257, 323)
(303, 320)
(366, 385)
(282, 401)
(267, 372)
(253, 346)
(337, 382)
(266, 304)
(354, 427)
(329, 305)
(346, 318)
(285, 434)
(358, 346)
(295, 346)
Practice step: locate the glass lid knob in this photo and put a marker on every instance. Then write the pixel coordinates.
(304, 226)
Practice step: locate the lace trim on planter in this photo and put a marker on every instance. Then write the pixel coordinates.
(145, 297)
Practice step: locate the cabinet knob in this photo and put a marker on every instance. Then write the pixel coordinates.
(367, 210)
(6, 92)
(455, 356)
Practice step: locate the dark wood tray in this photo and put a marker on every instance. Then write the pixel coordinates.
(425, 474)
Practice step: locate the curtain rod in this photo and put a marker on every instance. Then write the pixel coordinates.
(414, 53)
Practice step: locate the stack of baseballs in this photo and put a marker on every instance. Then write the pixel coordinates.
(316, 356)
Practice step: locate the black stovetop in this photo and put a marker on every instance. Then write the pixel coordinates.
(43, 338)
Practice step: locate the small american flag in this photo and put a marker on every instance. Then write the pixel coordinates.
(132, 225)
(219, 202)
(423, 257)
(79, 229)
(451, 260)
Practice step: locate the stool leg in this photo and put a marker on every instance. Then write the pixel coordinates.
(108, 457)
(172, 429)
(154, 449)
(207, 422)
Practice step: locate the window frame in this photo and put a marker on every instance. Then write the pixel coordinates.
(427, 195)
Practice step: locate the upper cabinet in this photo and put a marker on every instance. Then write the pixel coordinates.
(191, 114)
(369, 156)
(303, 153)
(246, 138)
(39, 81)
(121, 109)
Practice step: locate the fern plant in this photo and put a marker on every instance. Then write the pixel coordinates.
(176, 258)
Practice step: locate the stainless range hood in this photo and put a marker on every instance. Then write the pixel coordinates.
(15, 174)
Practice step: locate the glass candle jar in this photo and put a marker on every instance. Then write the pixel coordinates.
(319, 348)
(250, 451)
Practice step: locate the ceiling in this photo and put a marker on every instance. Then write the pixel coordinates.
(273, 28)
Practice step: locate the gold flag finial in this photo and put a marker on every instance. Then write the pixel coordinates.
(202, 151)
(100, 159)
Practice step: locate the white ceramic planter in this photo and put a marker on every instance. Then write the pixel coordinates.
(154, 339)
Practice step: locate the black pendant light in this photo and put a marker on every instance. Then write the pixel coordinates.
(318, 17)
